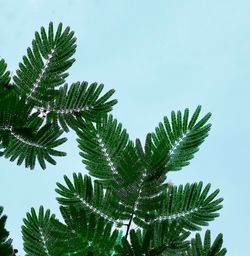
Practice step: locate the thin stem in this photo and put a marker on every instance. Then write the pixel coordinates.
(133, 212)
(129, 224)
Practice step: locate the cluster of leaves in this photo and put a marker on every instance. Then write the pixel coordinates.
(37, 107)
(130, 193)
(128, 208)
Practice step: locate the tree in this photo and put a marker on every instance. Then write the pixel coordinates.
(127, 208)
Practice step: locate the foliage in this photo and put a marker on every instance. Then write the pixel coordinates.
(5, 242)
(198, 248)
(38, 106)
(128, 207)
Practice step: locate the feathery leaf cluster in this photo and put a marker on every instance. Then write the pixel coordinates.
(38, 106)
(128, 207)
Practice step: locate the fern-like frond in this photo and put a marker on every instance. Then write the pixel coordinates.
(182, 135)
(85, 234)
(153, 158)
(190, 207)
(79, 101)
(5, 242)
(198, 248)
(38, 146)
(94, 199)
(43, 69)
(103, 146)
(38, 236)
(111, 157)
(151, 182)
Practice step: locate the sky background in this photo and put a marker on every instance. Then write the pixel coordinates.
(158, 56)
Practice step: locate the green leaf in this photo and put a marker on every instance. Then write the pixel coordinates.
(182, 137)
(103, 146)
(43, 69)
(78, 102)
(190, 207)
(37, 146)
(38, 234)
(82, 194)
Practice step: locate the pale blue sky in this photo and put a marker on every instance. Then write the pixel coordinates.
(158, 56)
